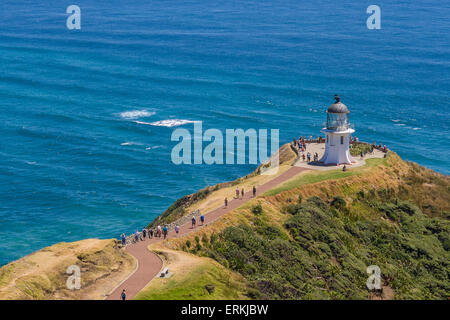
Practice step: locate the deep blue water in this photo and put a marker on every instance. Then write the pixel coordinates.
(74, 164)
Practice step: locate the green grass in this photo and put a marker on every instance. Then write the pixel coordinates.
(192, 287)
(314, 177)
(330, 246)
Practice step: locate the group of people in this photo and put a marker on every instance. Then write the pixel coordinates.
(240, 194)
(163, 231)
(379, 147)
(150, 233)
(301, 142)
(308, 157)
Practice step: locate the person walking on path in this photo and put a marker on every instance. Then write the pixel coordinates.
(144, 233)
(177, 229)
(123, 296)
(150, 233)
(165, 230)
(254, 191)
(158, 231)
(202, 219)
(242, 193)
(124, 239)
(237, 193)
(226, 202)
(193, 222)
(136, 236)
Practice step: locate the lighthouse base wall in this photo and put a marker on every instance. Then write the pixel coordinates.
(337, 149)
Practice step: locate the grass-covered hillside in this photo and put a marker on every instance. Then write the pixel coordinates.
(315, 236)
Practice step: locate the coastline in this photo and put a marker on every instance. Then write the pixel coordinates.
(198, 200)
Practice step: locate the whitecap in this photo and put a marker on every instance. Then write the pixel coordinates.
(130, 143)
(151, 148)
(395, 120)
(135, 114)
(167, 123)
(417, 128)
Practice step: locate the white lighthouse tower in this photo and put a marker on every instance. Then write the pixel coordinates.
(337, 132)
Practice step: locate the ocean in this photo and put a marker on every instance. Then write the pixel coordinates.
(87, 115)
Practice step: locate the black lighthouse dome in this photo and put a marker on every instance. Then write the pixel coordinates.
(338, 106)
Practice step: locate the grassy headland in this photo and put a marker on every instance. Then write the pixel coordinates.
(314, 236)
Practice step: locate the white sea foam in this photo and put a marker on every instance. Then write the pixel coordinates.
(167, 123)
(135, 114)
(130, 143)
(154, 147)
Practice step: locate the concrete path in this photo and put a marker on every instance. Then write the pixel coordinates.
(149, 264)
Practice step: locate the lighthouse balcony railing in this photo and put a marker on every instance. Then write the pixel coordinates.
(337, 125)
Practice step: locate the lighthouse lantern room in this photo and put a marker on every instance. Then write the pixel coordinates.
(337, 135)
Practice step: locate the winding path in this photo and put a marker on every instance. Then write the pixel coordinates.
(150, 264)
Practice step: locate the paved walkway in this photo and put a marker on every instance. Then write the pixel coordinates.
(149, 264)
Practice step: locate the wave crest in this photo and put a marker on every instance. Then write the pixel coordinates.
(167, 123)
(135, 114)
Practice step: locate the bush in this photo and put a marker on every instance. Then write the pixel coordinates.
(338, 203)
(291, 209)
(257, 209)
(188, 243)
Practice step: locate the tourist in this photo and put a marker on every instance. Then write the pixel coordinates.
(202, 219)
(177, 229)
(123, 296)
(242, 193)
(226, 202)
(309, 157)
(384, 148)
(124, 239)
(237, 193)
(136, 236)
(361, 154)
(165, 230)
(303, 156)
(158, 231)
(150, 233)
(193, 221)
(254, 191)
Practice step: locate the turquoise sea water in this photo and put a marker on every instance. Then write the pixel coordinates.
(86, 116)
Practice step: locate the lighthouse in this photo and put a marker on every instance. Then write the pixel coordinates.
(337, 132)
